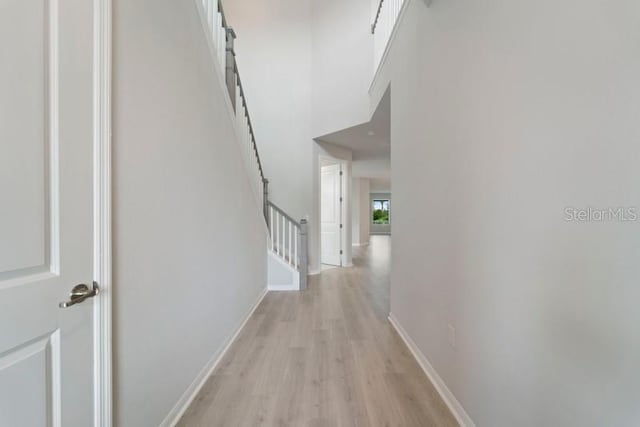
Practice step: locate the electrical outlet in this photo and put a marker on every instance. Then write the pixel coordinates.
(452, 336)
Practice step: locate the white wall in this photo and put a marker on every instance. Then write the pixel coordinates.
(342, 64)
(380, 228)
(503, 114)
(380, 185)
(360, 212)
(189, 239)
(355, 211)
(274, 57)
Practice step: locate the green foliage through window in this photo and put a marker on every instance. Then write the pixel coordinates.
(381, 212)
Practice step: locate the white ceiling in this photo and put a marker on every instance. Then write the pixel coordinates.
(370, 143)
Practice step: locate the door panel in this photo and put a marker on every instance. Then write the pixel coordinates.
(35, 368)
(23, 133)
(331, 215)
(46, 212)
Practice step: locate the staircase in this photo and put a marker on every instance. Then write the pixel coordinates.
(287, 249)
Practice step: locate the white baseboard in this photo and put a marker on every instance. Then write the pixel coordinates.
(358, 245)
(192, 391)
(281, 288)
(454, 406)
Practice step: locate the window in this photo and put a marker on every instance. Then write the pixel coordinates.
(381, 212)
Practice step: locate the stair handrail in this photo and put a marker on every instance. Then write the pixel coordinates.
(288, 237)
(283, 213)
(231, 35)
(223, 38)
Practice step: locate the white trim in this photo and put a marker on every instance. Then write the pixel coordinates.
(192, 391)
(359, 245)
(103, 395)
(454, 406)
(55, 365)
(54, 139)
(383, 59)
(284, 288)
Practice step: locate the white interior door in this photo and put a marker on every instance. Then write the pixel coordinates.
(46, 212)
(331, 214)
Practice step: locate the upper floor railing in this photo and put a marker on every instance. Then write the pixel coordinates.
(383, 24)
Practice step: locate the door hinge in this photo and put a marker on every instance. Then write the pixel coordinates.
(341, 199)
(340, 225)
(340, 252)
(340, 173)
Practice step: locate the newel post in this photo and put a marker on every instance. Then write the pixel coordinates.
(304, 249)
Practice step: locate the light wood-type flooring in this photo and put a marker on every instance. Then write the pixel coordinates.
(327, 356)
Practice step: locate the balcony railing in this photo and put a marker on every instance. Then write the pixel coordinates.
(382, 28)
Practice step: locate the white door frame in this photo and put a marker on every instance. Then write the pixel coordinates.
(102, 42)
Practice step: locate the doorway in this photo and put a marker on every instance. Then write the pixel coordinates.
(331, 214)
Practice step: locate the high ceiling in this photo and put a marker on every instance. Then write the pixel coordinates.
(370, 143)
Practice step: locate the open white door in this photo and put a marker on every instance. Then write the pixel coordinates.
(47, 225)
(331, 214)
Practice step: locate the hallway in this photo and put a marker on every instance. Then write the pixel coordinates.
(324, 357)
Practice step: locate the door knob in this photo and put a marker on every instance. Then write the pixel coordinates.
(80, 293)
